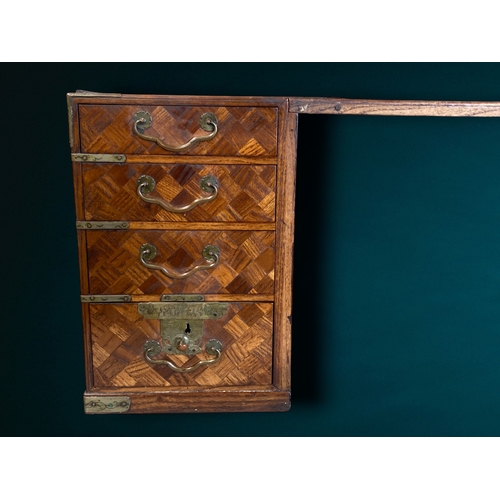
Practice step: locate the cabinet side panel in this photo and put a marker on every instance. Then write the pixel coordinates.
(285, 217)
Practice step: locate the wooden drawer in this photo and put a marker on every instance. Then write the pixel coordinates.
(245, 264)
(242, 131)
(120, 332)
(244, 193)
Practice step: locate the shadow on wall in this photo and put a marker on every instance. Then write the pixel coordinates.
(314, 192)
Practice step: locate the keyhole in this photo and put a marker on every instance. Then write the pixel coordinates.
(188, 329)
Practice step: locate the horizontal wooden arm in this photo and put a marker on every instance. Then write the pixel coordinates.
(331, 105)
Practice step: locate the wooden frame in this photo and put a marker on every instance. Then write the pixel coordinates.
(276, 397)
(333, 106)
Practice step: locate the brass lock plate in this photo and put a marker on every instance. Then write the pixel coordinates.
(181, 323)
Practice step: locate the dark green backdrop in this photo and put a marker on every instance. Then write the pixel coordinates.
(396, 323)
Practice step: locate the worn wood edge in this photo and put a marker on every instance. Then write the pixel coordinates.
(197, 160)
(78, 190)
(86, 326)
(207, 298)
(87, 346)
(178, 100)
(73, 124)
(187, 226)
(210, 298)
(340, 106)
(239, 298)
(214, 401)
(204, 226)
(69, 105)
(285, 223)
(82, 258)
(182, 389)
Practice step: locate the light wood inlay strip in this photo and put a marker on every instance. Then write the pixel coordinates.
(239, 298)
(331, 105)
(205, 160)
(105, 391)
(205, 226)
(211, 298)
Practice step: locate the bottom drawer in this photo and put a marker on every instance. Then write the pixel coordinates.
(131, 344)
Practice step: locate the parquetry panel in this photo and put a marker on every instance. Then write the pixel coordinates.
(242, 131)
(246, 264)
(119, 333)
(245, 192)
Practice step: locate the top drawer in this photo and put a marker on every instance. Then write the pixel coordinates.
(241, 131)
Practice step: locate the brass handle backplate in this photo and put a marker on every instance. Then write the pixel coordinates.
(148, 252)
(153, 348)
(146, 184)
(143, 120)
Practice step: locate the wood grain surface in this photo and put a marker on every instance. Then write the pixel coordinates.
(242, 131)
(245, 192)
(331, 105)
(119, 332)
(152, 400)
(246, 263)
(285, 224)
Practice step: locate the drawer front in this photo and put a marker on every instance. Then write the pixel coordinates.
(244, 193)
(119, 333)
(245, 264)
(242, 131)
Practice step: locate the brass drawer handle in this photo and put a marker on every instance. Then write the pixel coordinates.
(153, 348)
(146, 184)
(143, 120)
(148, 252)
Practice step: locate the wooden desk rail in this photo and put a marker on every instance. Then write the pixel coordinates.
(334, 106)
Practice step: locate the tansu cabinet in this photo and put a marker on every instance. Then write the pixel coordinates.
(185, 219)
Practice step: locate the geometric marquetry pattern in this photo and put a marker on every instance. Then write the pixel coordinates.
(242, 131)
(246, 263)
(245, 192)
(119, 333)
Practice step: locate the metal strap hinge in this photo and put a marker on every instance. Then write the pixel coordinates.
(106, 298)
(109, 224)
(106, 404)
(98, 158)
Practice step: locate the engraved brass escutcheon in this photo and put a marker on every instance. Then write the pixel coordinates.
(181, 323)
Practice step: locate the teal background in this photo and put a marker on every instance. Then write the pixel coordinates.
(396, 322)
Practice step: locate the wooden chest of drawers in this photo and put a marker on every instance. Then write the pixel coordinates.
(185, 216)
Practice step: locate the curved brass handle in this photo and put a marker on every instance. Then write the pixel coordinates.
(153, 348)
(148, 252)
(146, 184)
(143, 120)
